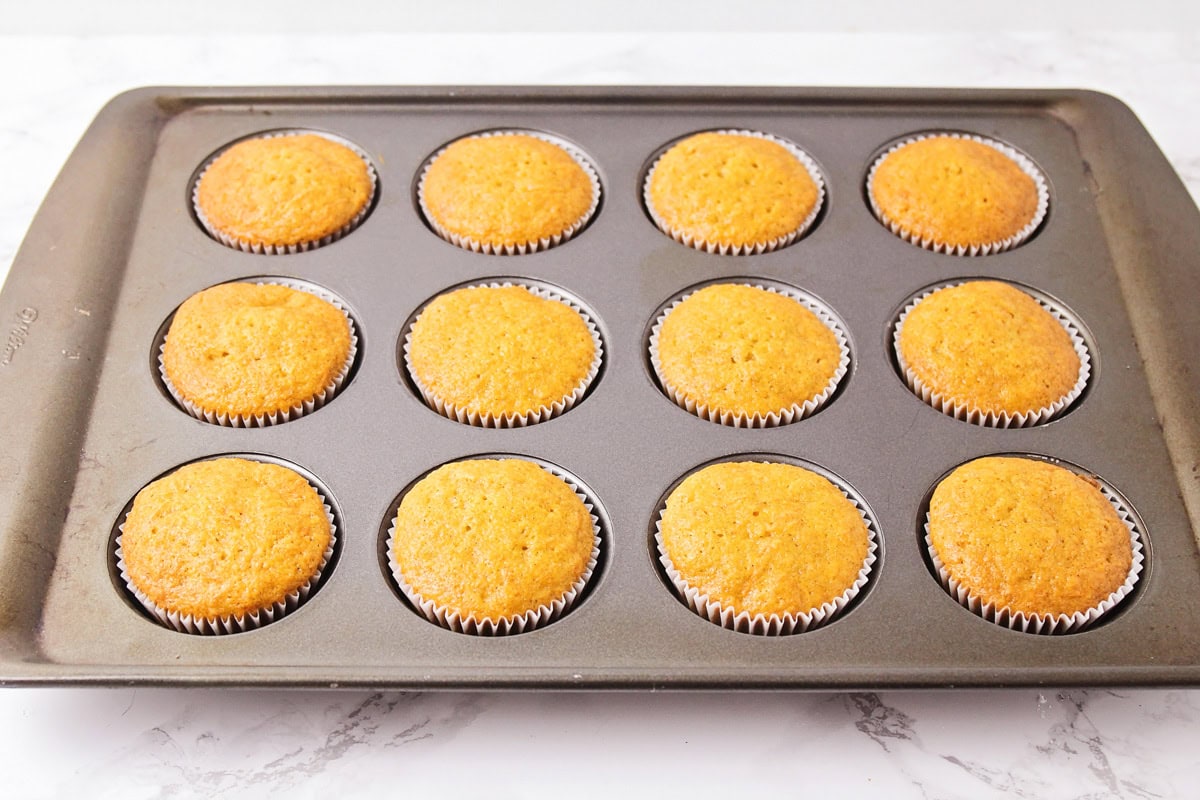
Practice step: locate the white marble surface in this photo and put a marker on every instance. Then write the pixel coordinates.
(905, 746)
(953, 744)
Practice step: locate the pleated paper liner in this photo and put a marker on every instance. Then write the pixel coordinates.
(783, 416)
(245, 246)
(757, 248)
(796, 622)
(284, 415)
(530, 245)
(539, 617)
(986, 248)
(490, 419)
(219, 626)
(1050, 624)
(998, 419)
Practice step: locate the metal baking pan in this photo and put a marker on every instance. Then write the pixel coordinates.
(114, 249)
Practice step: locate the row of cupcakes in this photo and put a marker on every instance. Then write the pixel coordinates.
(512, 353)
(518, 191)
(497, 546)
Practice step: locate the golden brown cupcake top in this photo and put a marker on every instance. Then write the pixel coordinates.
(245, 349)
(745, 350)
(764, 538)
(500, 350)
(506, 190)
(1029, 535)
(989, 346)
(954, 191)
(731, 189)
(284, 190)
(225, 537)
(492, 538)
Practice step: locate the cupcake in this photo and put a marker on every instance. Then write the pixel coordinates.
(502, 355)
(765, 548)
(1031, 545)
(225, 545)
(284, 193)
(960, 194)
(734, 192)
(988, 353)
(255, 354)
(748, 356)
(488, 546)
(508, 192)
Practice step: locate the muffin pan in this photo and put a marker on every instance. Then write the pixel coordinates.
(116, 247)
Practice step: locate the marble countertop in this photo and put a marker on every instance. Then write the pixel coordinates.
(136, 743)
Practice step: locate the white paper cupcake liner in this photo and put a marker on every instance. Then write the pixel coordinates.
(530, 245)
(545, 412)
(1047, 624)
(1022, 161)
(997, 419)
(773, 624)
(270, 249)
(218, 626)
(757, 248)
(275, 417)
(504, 626)
(772, 419)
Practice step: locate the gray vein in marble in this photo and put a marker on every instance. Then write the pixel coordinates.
(1074, 755)
(1077, 735)
(320, 732)
(879, 722)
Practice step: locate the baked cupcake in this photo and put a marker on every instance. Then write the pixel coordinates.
(508, 192)
(988, 353)
(502, 355)
(748, 356)
(225, 545)
(956, 193)
(1031, 545)
(284, 193)
(488, 546)
(764, 548)
(734, 192)
(255, 354)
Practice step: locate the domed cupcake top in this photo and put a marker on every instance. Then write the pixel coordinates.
(492, 539)
(245, 350)
(957, 193)
(989, 348)
(281, 193)
(1029, 536)
(501, 354)
(745, 355)
(508, 192)
(733, 192)
(763, 538)
(227, 537)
